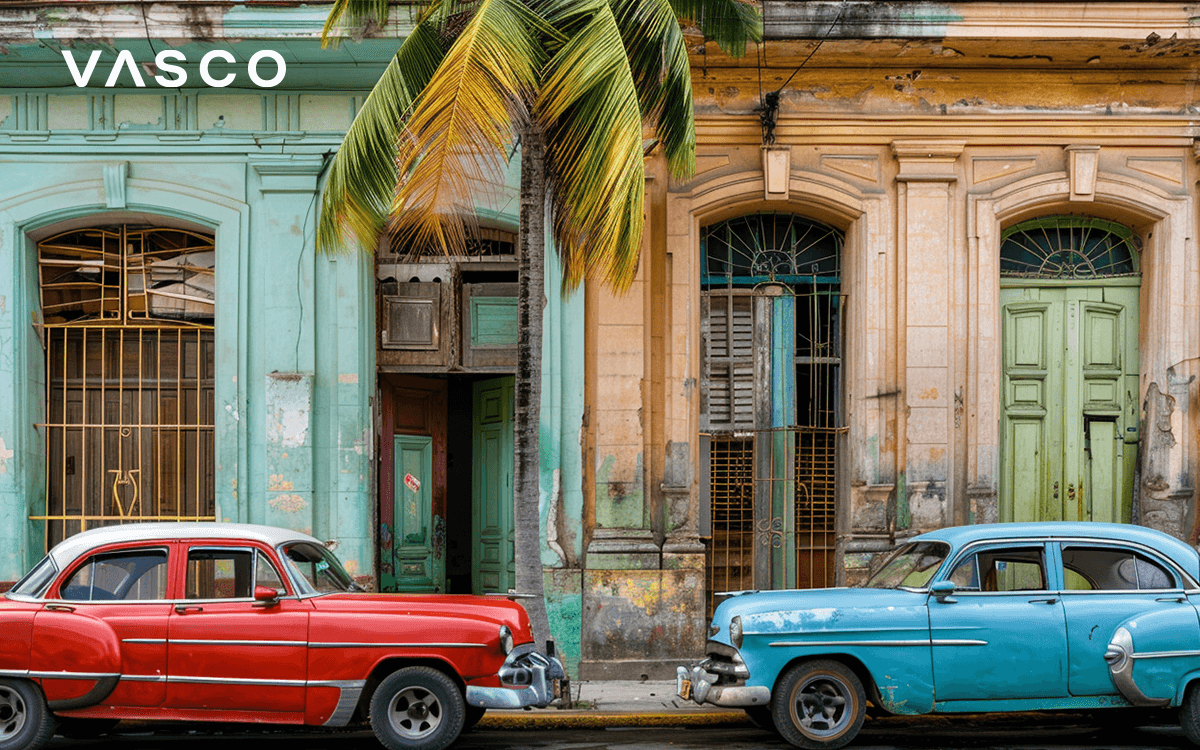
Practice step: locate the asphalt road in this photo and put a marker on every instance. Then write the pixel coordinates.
(961, 733)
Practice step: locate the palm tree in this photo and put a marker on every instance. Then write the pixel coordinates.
(577, 83)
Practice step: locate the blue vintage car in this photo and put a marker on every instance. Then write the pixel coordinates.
(997, 617)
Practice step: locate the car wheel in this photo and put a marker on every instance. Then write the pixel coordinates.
(761, 717)
(416, 708)
(818, 705)
(472, 715)
(25, 722)
(84, 729)
(1189, 713)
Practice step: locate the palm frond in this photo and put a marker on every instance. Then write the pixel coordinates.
(351, 13)
(362, 177)
(458, 138)
(729, 23)
(590, 113)
(658, 59)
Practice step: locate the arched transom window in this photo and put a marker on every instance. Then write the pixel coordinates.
(1069, 248)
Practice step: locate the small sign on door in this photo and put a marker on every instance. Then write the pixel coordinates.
(412, 483)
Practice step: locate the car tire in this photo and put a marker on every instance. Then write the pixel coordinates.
(1189, 713)
(84, 729)
(25, 721)
(818, 705)
(417, 708)
(761, 717)
(472, 715)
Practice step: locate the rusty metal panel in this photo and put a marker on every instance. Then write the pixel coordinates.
(412, 317)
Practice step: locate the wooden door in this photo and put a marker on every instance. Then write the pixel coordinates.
(492, 533)
(1068, 427)
(417, 567)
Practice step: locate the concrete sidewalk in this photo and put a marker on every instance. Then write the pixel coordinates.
(618, 703)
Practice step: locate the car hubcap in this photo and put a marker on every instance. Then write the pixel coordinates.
(820, 708)
(415, 713)
(12, 713)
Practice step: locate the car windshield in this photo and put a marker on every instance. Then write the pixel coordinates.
(316, 569)
(36, 580)
(909, 566)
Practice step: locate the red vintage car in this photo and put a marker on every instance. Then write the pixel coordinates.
(240, 623)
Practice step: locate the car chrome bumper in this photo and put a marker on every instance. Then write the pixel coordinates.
(699, 685)
(536, 680)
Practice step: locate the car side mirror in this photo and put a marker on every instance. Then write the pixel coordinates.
(265, 596)
(943, 591)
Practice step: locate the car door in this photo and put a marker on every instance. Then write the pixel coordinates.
(228, 652)
(126, 588)
(1103, 585)
(1002, 634)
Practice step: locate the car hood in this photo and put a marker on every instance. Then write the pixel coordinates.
(814, 610)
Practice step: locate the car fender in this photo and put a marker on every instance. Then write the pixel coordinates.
(76, 657)
(1151, 654)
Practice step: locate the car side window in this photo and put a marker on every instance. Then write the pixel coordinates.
(266, 575)
(215, 573)
(1112, 569)
(1006, 569)
(127, 575)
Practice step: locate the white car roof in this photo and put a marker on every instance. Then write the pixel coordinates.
(72, 547)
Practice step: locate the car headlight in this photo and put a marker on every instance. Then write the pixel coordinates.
(506, 640)
(735, 632)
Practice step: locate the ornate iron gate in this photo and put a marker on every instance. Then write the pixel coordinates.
(128, 317)
(771, 401)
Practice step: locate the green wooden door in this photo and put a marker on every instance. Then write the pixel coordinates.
(492, 487)
(1068, 425)
(417, 567)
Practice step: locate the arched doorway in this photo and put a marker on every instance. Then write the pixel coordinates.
(771, 407)
(128, 332)
(1069, 372)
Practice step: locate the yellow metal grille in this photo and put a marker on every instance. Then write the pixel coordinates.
(730, 552)
(129, 378)
(816, 457)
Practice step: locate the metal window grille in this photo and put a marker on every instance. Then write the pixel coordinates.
(129, 377)
(1067, 248)
(771, 491)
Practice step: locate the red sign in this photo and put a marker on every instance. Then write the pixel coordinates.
(412, 483)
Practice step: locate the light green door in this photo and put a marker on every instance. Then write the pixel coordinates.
(1068, 425)
(492, 488)
(417, 568)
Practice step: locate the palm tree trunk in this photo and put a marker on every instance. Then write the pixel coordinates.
(528, 387)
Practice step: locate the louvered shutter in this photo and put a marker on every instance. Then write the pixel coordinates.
(729, 361)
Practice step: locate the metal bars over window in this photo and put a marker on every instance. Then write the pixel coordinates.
(129, 377)
(1067, 248)
(771, 411)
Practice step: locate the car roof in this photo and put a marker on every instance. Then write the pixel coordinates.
(72, 547)
(1182, 553)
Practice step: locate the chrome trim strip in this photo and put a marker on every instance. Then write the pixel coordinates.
(14, 672)
(397, 645)
(937, 642)
(143, 678)
(236, 681)
(73, 675)
(349, 693)
(143, 640)
(218, 642)
(1120, 667)
(1164, 654)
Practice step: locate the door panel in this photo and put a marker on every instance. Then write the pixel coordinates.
(417, 569)
(492, 532)
(1069, 397)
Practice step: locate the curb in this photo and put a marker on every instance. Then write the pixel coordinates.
(603, 719)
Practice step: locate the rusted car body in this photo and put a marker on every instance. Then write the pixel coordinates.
(242, 623)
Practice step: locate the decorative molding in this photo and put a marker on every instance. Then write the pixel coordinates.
(928, 160)
(1166, 168)
(865, 168)
(985, 168)
(288, 174)
(777, 172)
(1083, 167)
(709, 163)
(115, 176)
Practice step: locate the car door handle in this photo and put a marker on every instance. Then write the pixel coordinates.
(1171, 599)
(60, 608)
(1046, 600)
(184, 608)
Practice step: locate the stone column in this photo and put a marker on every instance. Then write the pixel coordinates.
(931, 318)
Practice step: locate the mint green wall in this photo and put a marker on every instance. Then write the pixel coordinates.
(294, 332)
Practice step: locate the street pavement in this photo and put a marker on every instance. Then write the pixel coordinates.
(648, 716)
